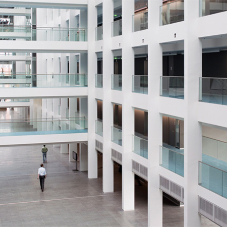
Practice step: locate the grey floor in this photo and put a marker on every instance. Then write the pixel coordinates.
(69, 198)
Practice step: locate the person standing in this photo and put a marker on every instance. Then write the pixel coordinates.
(44, 151)
(41, 176)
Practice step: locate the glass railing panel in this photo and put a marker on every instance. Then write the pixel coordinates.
(213, 179)
(67, 113)
(99, 80)
(43, 80)
(208, 7)
(77, 116)
(172, 12)
(116, 82)
(213, 90)
(117, 28)
(140, 146)
(116, 135)
(140, 84)
(140, 21)
(172, 160)
(172, 86)
(17, 127)
(46, 33)
(99, 33)
(59, 109)
(99, 127)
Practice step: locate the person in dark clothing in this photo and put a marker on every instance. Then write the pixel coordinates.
(41, 176)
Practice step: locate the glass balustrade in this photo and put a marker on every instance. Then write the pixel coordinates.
(213, 179)
(67, 113)
(98, 80)
(172, 160)
(140, 84)
(99, 127)
(116, 82)
(208, 7)
(42, 80)
(172, 86)
(215, 152)
(117, 28)
(213, 90)
(77, 116)
(31, 33)
(140, 21)
(116, 135)
(99, 33)
(140, 146)
(17, 127)
(172, 12)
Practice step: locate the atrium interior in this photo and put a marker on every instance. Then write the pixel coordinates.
(129, 97)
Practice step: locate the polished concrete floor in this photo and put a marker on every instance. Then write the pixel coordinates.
(69, 198)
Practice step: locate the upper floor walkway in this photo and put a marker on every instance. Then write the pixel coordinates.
(74, 4)
(33, 131)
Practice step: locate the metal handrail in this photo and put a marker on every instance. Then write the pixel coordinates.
(214, 139)
(213, 78)
(173, 76)
(212, 166)
(172, 150)
(140, 138)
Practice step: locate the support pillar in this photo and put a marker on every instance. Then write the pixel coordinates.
(108, 171)
(92, 153)
(155, 206)
(128, 182)
(193, 129)
(64, 102)
(72, 147)
(83, 157)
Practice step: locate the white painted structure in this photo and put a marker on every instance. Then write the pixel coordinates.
(189, 36)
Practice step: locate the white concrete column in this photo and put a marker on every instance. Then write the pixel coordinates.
(39, 113)
(83, 157)
(44, 113)
(64, 103)
(193, 129)
(72, 106)
(92, 154)
(128, 184)
(72, 147)
(49, 115)
(83, 63)
(31, 108)
(155, 209)
(83, 107)
(83, 67)
(108, 180)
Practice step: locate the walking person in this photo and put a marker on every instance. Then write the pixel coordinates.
(44, 151)
(41, 176)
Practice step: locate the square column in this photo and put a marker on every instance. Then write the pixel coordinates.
(92, 153)
(193, 129)
(108, 171)
(128, 184)
(64, 104)
(155, 206)
(72, 147)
